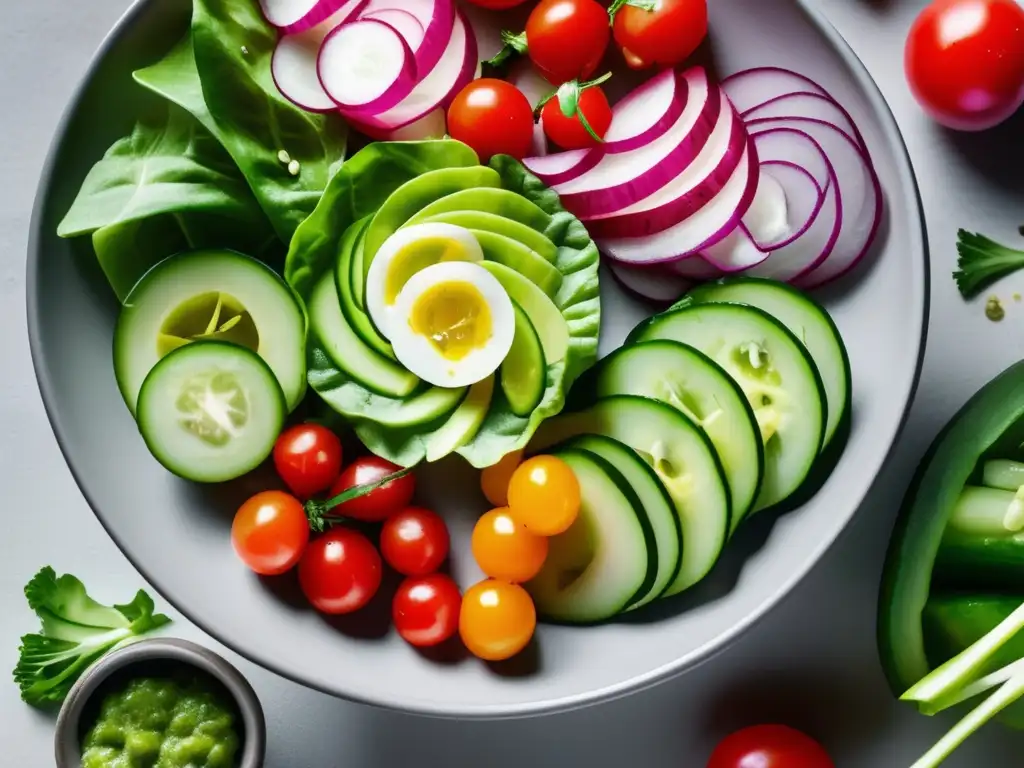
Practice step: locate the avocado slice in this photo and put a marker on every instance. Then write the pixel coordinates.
(545, 316)
(464, 423)
(500, 202)
(523, 260)
(499, 225)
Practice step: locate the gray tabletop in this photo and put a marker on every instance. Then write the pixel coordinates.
(811, 663)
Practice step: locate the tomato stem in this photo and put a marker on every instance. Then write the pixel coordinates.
(569, 95)
(514, 45)
(643, 5)
(318, 512)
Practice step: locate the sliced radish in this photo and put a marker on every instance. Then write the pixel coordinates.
(366, 66)
(456, 68)
(650, 283)
(693, 268)
(646, 113)
(714, 221)
(560, 167)
(618, 181)
(807, 105)
(293, 64)
(431, 126)
(407, 25)
(295, 16)
(700, 181)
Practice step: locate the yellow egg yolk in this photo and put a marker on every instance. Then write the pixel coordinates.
(418, 256)
(454, 316)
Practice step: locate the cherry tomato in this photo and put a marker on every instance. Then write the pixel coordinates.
(544, 495)
(566, 39)
(769, 746)
(270, 532)
(965, 61)
(493, 117)
(505, 549)
(426, 609)
(497, 619)
(494, 479)
(379, 504)
(569, 132)
(497, 5)
(414, 541)
(308, 458)
(340, 571)
(665, 35)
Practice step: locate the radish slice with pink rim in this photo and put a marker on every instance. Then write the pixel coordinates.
(456, 68)
(807, 105)
(646, 113)
(560, 167)
(366, 66)
(618, 181)
(293, 64)
(407, 25)
(654, 284)
(295, 16)
(688, 192)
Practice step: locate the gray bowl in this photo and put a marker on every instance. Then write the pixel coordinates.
(154, 657)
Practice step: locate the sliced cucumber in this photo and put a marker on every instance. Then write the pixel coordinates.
(773, 369)
(656, 503)
(412, 196)
(524, 372)
(210, 293)
(543, 312)
(344, 278)
(499, 225)
(681, 455)
(211, 411)
(463, 425)
(356, 271)
(689, 380)
(807, 320)
(347, 351)
(500, 202)
(601, 565)
(515, 255)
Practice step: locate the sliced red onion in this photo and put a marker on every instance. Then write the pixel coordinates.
(456, 68)
(293, 64)
(858, 191)
(618, 181)
(810, 105)
(650, 283)
(700, 181)
(714, 221)
(294, 16)
(560, 167)
(407, 25)
(692, 268)
(366, 66)
(646, 113)
(804, 198)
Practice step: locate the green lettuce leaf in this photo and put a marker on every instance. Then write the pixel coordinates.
(502, 431)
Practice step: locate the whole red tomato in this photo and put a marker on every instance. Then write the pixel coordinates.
(426, 609)
(380, 503)
(769, 746)
(497, 5)
(493, 117)
(340, 572)
(569, 131)
(414, 541)
(666, 35)
(566, 39)
(270, 532)
(308, 458)
(965, 61)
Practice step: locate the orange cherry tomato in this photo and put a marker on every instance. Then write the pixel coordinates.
(505, 549)
(544, 495)
(494, 479)
(497, 619)
(270, 532)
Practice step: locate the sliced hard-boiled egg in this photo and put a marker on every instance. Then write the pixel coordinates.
(406, 253)
(457, 324)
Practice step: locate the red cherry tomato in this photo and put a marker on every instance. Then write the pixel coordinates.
(965, 61)
(426, 609)
(270, 532)
(566, 39)
(569, 132)
(769, 746)
(414, 541)
(340, 571)
(493, 117)
(665, 35)
(378, 504)
(308, 458)
(497, 5)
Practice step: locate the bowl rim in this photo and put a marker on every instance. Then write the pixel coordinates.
(66, 744)
(917, 234)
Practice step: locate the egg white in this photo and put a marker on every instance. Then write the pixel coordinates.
(381, 312)
(418, 353)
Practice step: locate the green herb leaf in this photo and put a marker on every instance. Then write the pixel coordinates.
(982, 262)
(513, 45)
